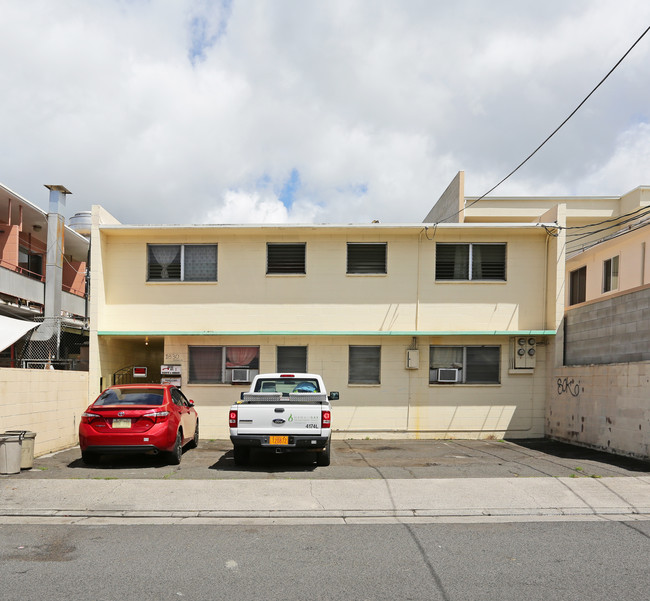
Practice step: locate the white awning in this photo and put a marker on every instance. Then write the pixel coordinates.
(13, 329)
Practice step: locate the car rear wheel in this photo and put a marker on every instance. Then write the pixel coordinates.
(177, 452)
(89, 458)
(242, 455)
(323, 457)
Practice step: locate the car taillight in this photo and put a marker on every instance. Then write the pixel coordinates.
(87, 418)
(232, 418)
(327, 419)
(157, 416)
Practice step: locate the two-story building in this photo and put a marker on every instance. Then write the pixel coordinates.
(426, 329)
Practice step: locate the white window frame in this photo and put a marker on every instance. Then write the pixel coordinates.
(462, 368)
(470, 263)
(182, 261)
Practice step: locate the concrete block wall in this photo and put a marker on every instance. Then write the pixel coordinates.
(48, 402)
(604, 407)
(614, 330)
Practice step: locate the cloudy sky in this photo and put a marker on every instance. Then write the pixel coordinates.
(306, 111)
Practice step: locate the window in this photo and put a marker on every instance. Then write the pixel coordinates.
(364, 364)
(285, 258)
(464, 364)
(182, 262)
(578, 286)
(366, 258)
(219, 364)
(470, 261)
(292, 359)
(610, 274)
(31, 263)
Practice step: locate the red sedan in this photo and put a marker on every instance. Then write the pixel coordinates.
(139, 418)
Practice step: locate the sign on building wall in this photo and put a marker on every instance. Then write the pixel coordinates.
(139, 372)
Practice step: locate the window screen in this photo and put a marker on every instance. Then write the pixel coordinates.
(182, 262)
(364, 365)
(366, 258)
(206, 364)
(292, 359)
(470, 261)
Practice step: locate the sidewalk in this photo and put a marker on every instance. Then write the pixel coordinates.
(323, 501)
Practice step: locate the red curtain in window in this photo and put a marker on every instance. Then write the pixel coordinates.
(240, 356)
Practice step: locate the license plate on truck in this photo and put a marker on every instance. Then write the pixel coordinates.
(278, 440)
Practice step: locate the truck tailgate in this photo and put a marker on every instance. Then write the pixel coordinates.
(280, 420)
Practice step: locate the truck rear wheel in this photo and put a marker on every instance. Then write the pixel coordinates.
(242, 455)
(323, 457)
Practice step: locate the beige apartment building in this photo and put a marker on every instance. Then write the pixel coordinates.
(507, 317)
(426, 330)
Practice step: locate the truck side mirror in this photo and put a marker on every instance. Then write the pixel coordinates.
(334, 396)
(241, 396)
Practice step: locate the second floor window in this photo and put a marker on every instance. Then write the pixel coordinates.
(610, 274)
(285, 258)
(366, 257)
(578, 286)
(182, 262)
(470, 261)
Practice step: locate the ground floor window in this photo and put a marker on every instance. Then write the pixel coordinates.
(223, 364)
(464, 364)
(364, 366)
(292, 359)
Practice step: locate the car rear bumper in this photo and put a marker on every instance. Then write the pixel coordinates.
(161, 437)
(121, 449)
(297, 442)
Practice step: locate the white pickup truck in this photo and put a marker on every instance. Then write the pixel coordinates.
(283, 413)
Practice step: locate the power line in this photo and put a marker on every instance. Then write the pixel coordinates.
(530, 156)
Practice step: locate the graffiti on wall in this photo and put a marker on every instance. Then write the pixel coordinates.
(568, 386)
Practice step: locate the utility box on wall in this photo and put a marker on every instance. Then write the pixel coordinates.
(525, 350)
(412, 359)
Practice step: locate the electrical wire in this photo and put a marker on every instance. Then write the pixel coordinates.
(530, 156)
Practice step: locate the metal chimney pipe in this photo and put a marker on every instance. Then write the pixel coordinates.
(53, 264)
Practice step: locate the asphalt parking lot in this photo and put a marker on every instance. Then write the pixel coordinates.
(355, 459)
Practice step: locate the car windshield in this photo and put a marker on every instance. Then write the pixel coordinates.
(287, 385)
(131, 396)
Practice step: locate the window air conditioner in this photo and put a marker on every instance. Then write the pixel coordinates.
(448, 375)
(241, 375)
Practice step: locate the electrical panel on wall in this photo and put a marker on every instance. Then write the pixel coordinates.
(412, 359)
(525, 351)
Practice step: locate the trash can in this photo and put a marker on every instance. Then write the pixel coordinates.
(27, 453)
(10, 447)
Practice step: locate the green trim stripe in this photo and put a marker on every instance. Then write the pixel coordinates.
(327, 333)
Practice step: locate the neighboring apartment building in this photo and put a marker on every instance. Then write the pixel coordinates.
(599, 385)
(43, 281)
(426, 330)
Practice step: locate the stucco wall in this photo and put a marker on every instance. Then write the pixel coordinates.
(601, 406)
(403, 405)
(48, 402)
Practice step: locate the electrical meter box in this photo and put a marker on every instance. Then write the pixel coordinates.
(412, 359)
(525, 349)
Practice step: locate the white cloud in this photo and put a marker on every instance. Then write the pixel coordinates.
(198, 110)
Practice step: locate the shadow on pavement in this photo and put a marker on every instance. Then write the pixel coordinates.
(261, 461)
(567, 451)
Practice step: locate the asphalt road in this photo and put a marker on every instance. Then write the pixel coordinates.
(453, 562)
(357, 459)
